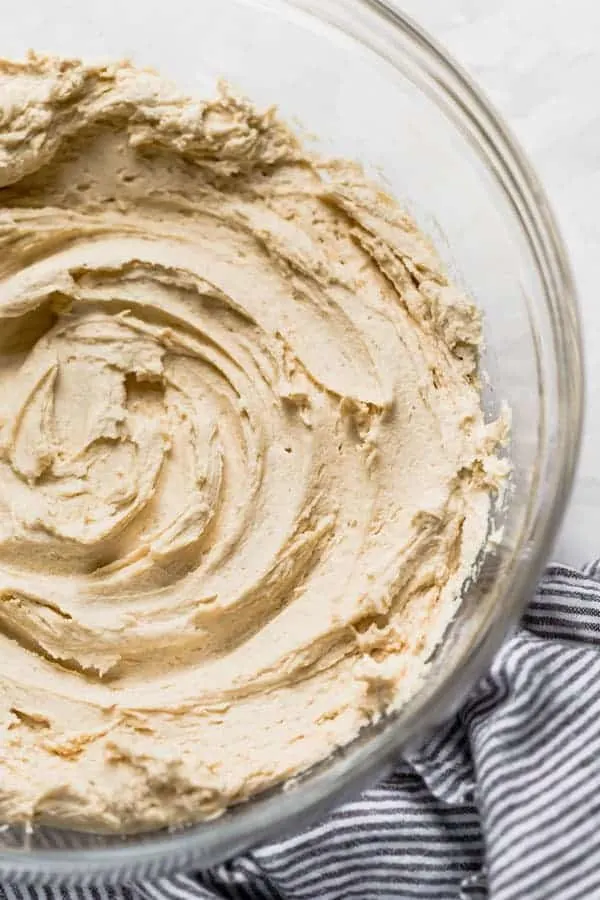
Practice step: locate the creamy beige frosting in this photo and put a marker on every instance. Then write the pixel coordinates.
(244, 470)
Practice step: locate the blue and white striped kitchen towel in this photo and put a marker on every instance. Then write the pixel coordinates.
(503, 803)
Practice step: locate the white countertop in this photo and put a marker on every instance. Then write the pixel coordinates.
(539, 63)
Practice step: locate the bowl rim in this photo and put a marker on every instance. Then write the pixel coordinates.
(284, 812)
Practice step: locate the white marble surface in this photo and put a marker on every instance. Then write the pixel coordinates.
(539, 63)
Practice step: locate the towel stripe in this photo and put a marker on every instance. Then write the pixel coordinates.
(517, 772)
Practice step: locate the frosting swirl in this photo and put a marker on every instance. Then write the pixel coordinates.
(244, 469)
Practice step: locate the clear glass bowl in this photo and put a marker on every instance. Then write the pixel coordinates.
(373, 87)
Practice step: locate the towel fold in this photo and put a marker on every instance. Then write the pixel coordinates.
(502, 803)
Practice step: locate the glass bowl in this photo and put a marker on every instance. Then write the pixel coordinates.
(375, 88)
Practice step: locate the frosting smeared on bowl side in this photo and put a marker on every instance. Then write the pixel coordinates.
(244, 470)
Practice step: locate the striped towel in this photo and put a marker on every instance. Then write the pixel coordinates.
(503, 803)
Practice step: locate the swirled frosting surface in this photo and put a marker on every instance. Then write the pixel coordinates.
(244, 469)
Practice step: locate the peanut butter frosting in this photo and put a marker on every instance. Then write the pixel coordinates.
(244, 469)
